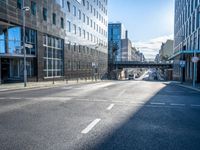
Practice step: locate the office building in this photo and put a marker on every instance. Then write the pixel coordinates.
(186, 40)
(68, 39)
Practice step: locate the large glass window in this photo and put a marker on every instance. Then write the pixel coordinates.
(30, 38)
(2, 43)
(33, 8)
(53, 57)
(19, 4)
(14, 40)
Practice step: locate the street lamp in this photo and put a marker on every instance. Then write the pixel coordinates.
(24, 10)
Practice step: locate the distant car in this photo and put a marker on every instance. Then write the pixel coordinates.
(131, 77)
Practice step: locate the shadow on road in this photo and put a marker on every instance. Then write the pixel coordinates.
(155, 128)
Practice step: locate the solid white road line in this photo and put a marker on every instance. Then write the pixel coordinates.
(173, 104)
(154, 103)
(90, 126)
(110, 106)
(193, 105)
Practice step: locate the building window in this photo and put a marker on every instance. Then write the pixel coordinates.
(63, 3)
(91, 9)
(79, 14)
(53, 57)
(14, 38)
(79, 31)
(88, 5)
(83, 17)
(88, 36)
(33, 8)
(19, 4)
(54, 18)
(44, 14)
(91, 23)
(68, 26)
(61, 22)
(74, 28)
(74, 10)
(84, 34)
(88, 21)
(83, 2)
(68, 6)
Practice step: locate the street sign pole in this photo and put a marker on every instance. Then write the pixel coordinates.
(194, 60)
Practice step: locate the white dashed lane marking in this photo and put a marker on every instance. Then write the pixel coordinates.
(174, 104)
(110, 106)
(155, 103)
(90, 126)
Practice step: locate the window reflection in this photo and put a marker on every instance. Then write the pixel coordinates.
(14, 41)
(2, 43)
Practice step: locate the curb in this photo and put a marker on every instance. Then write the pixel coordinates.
(186, 86)
(43, 86)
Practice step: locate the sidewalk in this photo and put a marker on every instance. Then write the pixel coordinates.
(187, 85)
(46, 84)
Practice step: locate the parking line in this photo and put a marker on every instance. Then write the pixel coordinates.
(154, 103)
(90, 126)
(173, 104)
(110, 106)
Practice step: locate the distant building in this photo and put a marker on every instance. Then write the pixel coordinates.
(166, 51)
(186, 39)
(126, 48)
(157, 58)
(117, 37)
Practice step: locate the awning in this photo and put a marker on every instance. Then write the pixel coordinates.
(184, 52)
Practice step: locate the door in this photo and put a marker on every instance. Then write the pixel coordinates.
(5, 67)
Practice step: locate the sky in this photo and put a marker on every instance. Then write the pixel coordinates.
(149, 22)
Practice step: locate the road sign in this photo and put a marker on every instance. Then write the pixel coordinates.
(195, 59)
(28, 45)
(182, 63)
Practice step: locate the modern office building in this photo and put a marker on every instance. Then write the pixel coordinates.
(186, 40)
(68, 38)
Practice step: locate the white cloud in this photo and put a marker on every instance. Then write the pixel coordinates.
(151, 47)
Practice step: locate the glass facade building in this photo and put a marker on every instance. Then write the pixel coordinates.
(186, 39)
(116, 32)
(67, 38)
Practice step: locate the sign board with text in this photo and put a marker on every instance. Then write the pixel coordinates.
(182, 63)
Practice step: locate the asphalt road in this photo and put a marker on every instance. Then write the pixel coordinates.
(111, 115)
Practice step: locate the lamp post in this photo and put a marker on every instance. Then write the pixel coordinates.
(24, 10)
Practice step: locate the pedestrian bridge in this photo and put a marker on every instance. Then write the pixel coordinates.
(138, 64)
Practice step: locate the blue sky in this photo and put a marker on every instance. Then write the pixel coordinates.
(149, 22)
